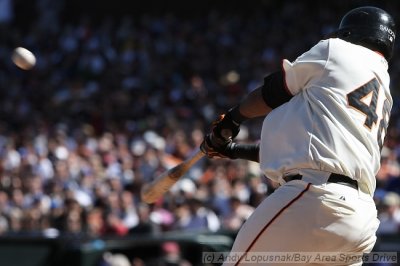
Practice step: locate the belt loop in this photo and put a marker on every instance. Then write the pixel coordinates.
(281, 180)
(314, 177)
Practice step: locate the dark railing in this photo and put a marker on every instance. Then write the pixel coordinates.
(38, 250)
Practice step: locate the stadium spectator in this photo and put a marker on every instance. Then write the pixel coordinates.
(390, 214)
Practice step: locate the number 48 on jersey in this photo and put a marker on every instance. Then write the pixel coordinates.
(357, 99)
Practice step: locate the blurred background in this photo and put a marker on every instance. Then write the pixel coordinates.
(124, 90)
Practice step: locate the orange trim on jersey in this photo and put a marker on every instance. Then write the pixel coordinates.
(284, 81)
(272, 220)
(379, 53)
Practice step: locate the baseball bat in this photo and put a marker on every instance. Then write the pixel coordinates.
(159, 186)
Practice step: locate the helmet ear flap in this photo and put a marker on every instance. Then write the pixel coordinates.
(346, 34)
(342, 34)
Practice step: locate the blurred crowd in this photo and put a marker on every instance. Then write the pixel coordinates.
(112, 103)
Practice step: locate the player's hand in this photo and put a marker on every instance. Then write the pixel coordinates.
(214, 149)
(224, 129)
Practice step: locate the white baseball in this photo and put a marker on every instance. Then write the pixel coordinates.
(23, 58)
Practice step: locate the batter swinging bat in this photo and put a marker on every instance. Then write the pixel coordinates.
(159, 186)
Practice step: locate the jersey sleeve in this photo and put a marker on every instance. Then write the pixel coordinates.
(305, 68)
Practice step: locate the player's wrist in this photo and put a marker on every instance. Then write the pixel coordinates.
(236, 116)
(248, 152)
(230, 151)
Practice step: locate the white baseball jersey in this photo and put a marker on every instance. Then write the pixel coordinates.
(337, 120)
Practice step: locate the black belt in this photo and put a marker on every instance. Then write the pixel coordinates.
(333, 178)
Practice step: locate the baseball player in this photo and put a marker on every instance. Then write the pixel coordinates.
(326, 116)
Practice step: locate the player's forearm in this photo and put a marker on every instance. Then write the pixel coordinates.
(272, 94)
(252, 106)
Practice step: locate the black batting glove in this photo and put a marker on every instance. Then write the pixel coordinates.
(225, 128)
(219, 142)
(216, 149)
(228, 125)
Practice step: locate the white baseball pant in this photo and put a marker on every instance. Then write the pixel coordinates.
(328, 221)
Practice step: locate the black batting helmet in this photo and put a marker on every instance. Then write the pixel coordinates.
(371, 27)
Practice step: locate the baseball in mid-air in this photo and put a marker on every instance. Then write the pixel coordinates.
(23, 58)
